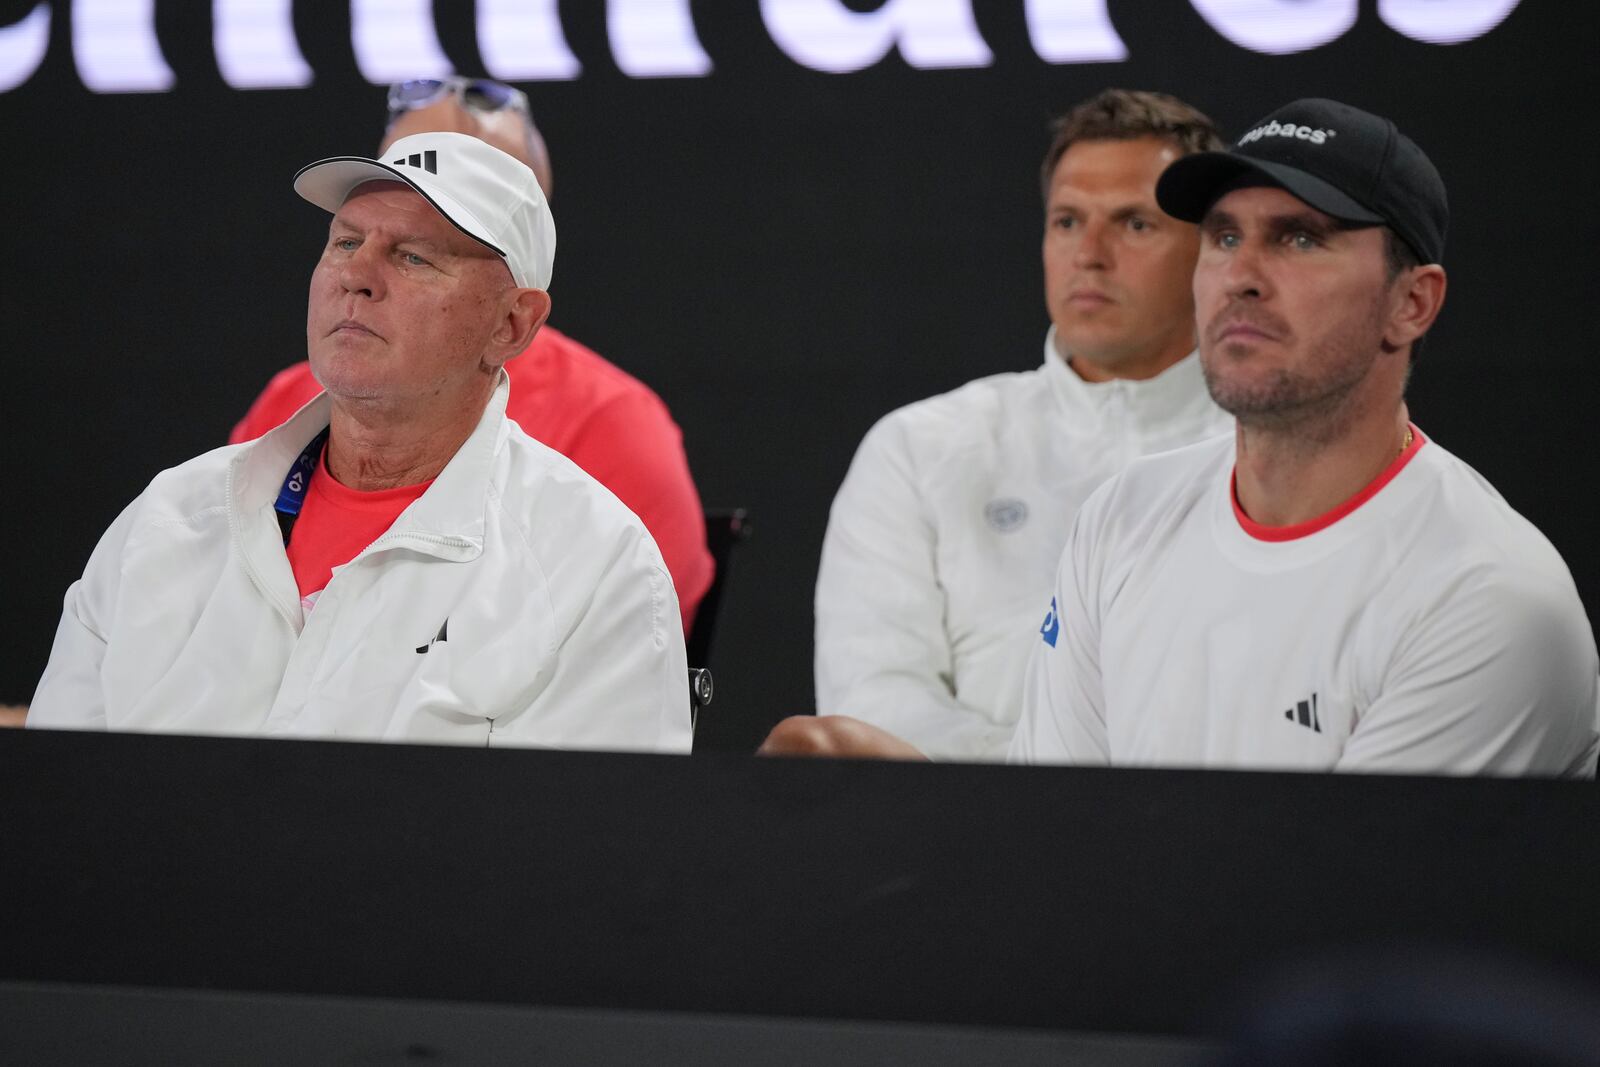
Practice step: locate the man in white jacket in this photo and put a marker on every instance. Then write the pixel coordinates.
(955, 508)
(398, 561)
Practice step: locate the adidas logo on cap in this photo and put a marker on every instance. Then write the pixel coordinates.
(428, 161)
(488, 195)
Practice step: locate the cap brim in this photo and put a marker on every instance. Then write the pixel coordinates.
(328, 182)
(1187, 189)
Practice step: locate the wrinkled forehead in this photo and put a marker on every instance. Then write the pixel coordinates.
(1126, 167)
(397, 208)
(381, 197)
(400, 214)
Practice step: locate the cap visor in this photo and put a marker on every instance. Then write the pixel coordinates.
(328, 182)
(1187, 189)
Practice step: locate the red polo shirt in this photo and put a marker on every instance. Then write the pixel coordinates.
(337, 523)
(568, 397)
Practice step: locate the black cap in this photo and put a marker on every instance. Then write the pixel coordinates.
(1339, 159)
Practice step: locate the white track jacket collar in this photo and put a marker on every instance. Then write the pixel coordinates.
(515, 602)
(945, 534)
(1154, 414)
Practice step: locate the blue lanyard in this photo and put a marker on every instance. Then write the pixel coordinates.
(293, 494)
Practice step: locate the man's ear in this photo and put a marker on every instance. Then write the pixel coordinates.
(524, 312)
(1418, 297)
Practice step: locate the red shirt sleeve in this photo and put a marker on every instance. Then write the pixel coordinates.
(633, 448)
(286, 394)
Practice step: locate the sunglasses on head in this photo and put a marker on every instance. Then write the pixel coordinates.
(479, 94)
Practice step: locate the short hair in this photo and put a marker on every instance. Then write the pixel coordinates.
(1398, 256)
(1127, 115)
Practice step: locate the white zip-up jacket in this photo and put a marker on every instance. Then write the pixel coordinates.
(947, 531)
(515, 602)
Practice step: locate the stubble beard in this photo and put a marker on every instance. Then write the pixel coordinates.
(1311, 406)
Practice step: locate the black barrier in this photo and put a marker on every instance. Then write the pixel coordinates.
(1065, 899)
(91, 1025)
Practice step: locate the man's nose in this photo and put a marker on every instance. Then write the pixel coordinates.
(360, 274)
(1244, 274)
(1093, 251)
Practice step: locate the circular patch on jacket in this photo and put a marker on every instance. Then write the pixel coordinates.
(1006, 514)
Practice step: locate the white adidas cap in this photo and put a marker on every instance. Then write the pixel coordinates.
(488, 195)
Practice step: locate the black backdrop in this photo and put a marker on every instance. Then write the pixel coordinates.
(783, 254)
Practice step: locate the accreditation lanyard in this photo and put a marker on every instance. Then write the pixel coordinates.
(293, 494)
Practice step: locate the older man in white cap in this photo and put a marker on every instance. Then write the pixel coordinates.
(397, 561)
(563, 393)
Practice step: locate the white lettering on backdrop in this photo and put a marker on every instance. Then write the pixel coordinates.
(522, 40)
(115, 48)
(255, 44)
(1073, 31)
(1436, 23)
(395, 40)
(22, 47)
(655, 39)
(1278, 27)
(825, 35)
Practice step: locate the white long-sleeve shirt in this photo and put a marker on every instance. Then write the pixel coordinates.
(1424, 627)
(947, 530)
(515, 602)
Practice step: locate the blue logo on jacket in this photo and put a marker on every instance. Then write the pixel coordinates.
(1052, 625)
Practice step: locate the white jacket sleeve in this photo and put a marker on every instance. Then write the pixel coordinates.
(882, 651)
(70, 695)
(1498, 676)
(1063, 702)
(619, 679)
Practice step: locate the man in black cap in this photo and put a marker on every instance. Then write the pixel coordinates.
(1329, 590)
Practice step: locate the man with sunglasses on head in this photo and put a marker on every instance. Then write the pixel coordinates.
(563, 394)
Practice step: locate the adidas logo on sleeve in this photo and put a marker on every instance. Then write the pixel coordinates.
(1305, 713)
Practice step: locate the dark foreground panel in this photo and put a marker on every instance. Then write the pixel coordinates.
(1059, 899)
(93, 1025)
